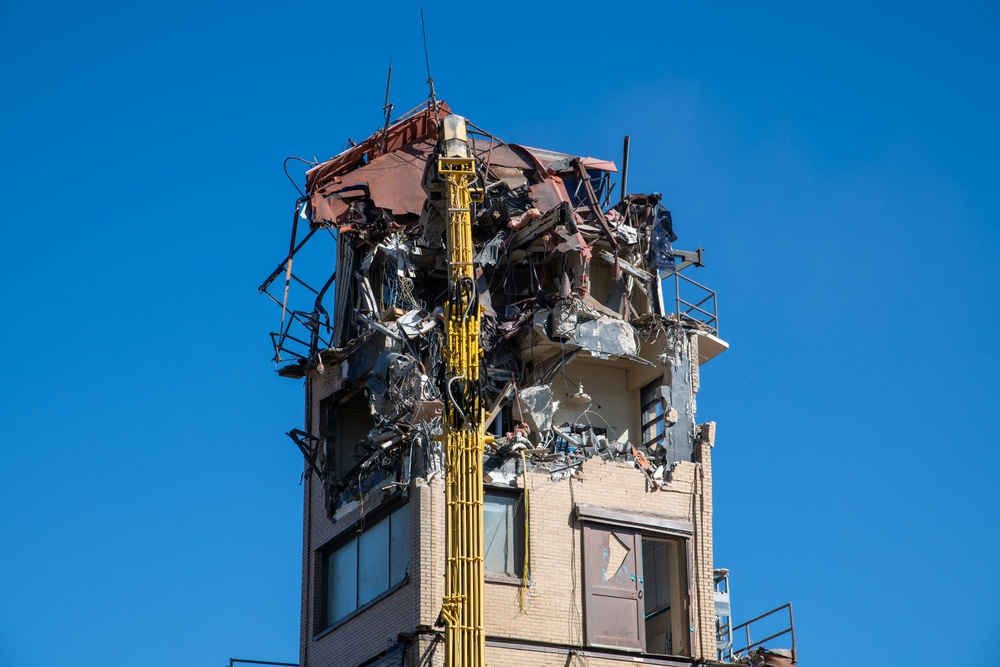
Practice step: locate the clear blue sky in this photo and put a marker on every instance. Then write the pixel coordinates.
(840, 166)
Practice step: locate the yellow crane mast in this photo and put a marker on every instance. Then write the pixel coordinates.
(463, 608)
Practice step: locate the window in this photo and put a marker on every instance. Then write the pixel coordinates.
(652, 398)
(636, 583)
(344, 424)
(504, 528)
(366, 566)
(665, 595)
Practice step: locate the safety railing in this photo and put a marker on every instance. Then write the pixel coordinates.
(695, 302)
(751, 643)
(233, 661)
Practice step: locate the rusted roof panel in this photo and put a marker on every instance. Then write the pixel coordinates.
(395, 179)
(419, 126)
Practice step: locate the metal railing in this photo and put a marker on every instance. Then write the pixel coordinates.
(750, 643)
(233, 661)
(723, 640)
(695, 302)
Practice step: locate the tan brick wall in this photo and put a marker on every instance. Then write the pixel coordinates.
(373, 629)
(555, 602)
(554, 607)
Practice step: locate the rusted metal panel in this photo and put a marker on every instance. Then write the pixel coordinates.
(421, 125)
(330, 209)
(613, 587)
(549, 193)
(392, 181)
(600, 165)
(395, 179)
(506, 155)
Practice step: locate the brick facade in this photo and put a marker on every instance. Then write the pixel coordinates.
(548, 628)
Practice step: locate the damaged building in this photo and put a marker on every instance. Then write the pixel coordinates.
(597, 510)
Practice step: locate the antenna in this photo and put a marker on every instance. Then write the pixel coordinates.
(625, 166)
(387, 106)
(427, 59)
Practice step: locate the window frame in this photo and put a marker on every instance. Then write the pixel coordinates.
(353, 534)
(652, 413)
(520, 536)
(336, 411)
(641, 525)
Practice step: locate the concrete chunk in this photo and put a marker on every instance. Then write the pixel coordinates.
(536, 405)
(606, 337)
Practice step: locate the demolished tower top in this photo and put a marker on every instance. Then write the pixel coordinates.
(591, 341)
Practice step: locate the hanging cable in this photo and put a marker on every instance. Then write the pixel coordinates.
(291, 180)
(452, 397)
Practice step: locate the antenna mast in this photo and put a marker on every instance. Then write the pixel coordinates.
(387, 106)
(427, 60)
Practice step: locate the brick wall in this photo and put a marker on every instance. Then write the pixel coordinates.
(555, 601)
(553, 611)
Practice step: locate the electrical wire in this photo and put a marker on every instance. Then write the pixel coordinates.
(452, 397)
(588, 411)
(291, 180)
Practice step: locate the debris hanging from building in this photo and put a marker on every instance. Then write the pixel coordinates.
(582, 298)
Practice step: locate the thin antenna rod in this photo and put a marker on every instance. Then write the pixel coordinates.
(625, 166)
(387, 106)
(427, 59)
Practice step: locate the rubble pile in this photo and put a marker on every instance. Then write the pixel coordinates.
(569, 284)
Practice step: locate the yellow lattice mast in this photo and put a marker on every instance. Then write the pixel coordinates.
(463, 607)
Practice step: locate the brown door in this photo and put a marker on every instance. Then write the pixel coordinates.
(612, 565)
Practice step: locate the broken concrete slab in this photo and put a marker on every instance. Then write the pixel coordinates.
(606, 337)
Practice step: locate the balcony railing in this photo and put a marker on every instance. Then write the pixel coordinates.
(735, 653)
(694, 303)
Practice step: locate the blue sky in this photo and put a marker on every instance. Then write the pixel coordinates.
(839, 164)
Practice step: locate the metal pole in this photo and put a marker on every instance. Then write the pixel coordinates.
(625, 166)
(791, 625)
(677, 295)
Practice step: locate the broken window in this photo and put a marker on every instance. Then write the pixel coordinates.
(562, 271)
(653, 424)
(366, 566)
(344, 424)
(504, 529)
(636, 583)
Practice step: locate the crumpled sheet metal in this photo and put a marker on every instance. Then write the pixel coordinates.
(422, 125)
(535, 243)
(393, 181)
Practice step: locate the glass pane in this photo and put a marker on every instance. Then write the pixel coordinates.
(519, 550)
(342, 582)
(498, 523)
(373, 562)
(399, 545)
(656, 572)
